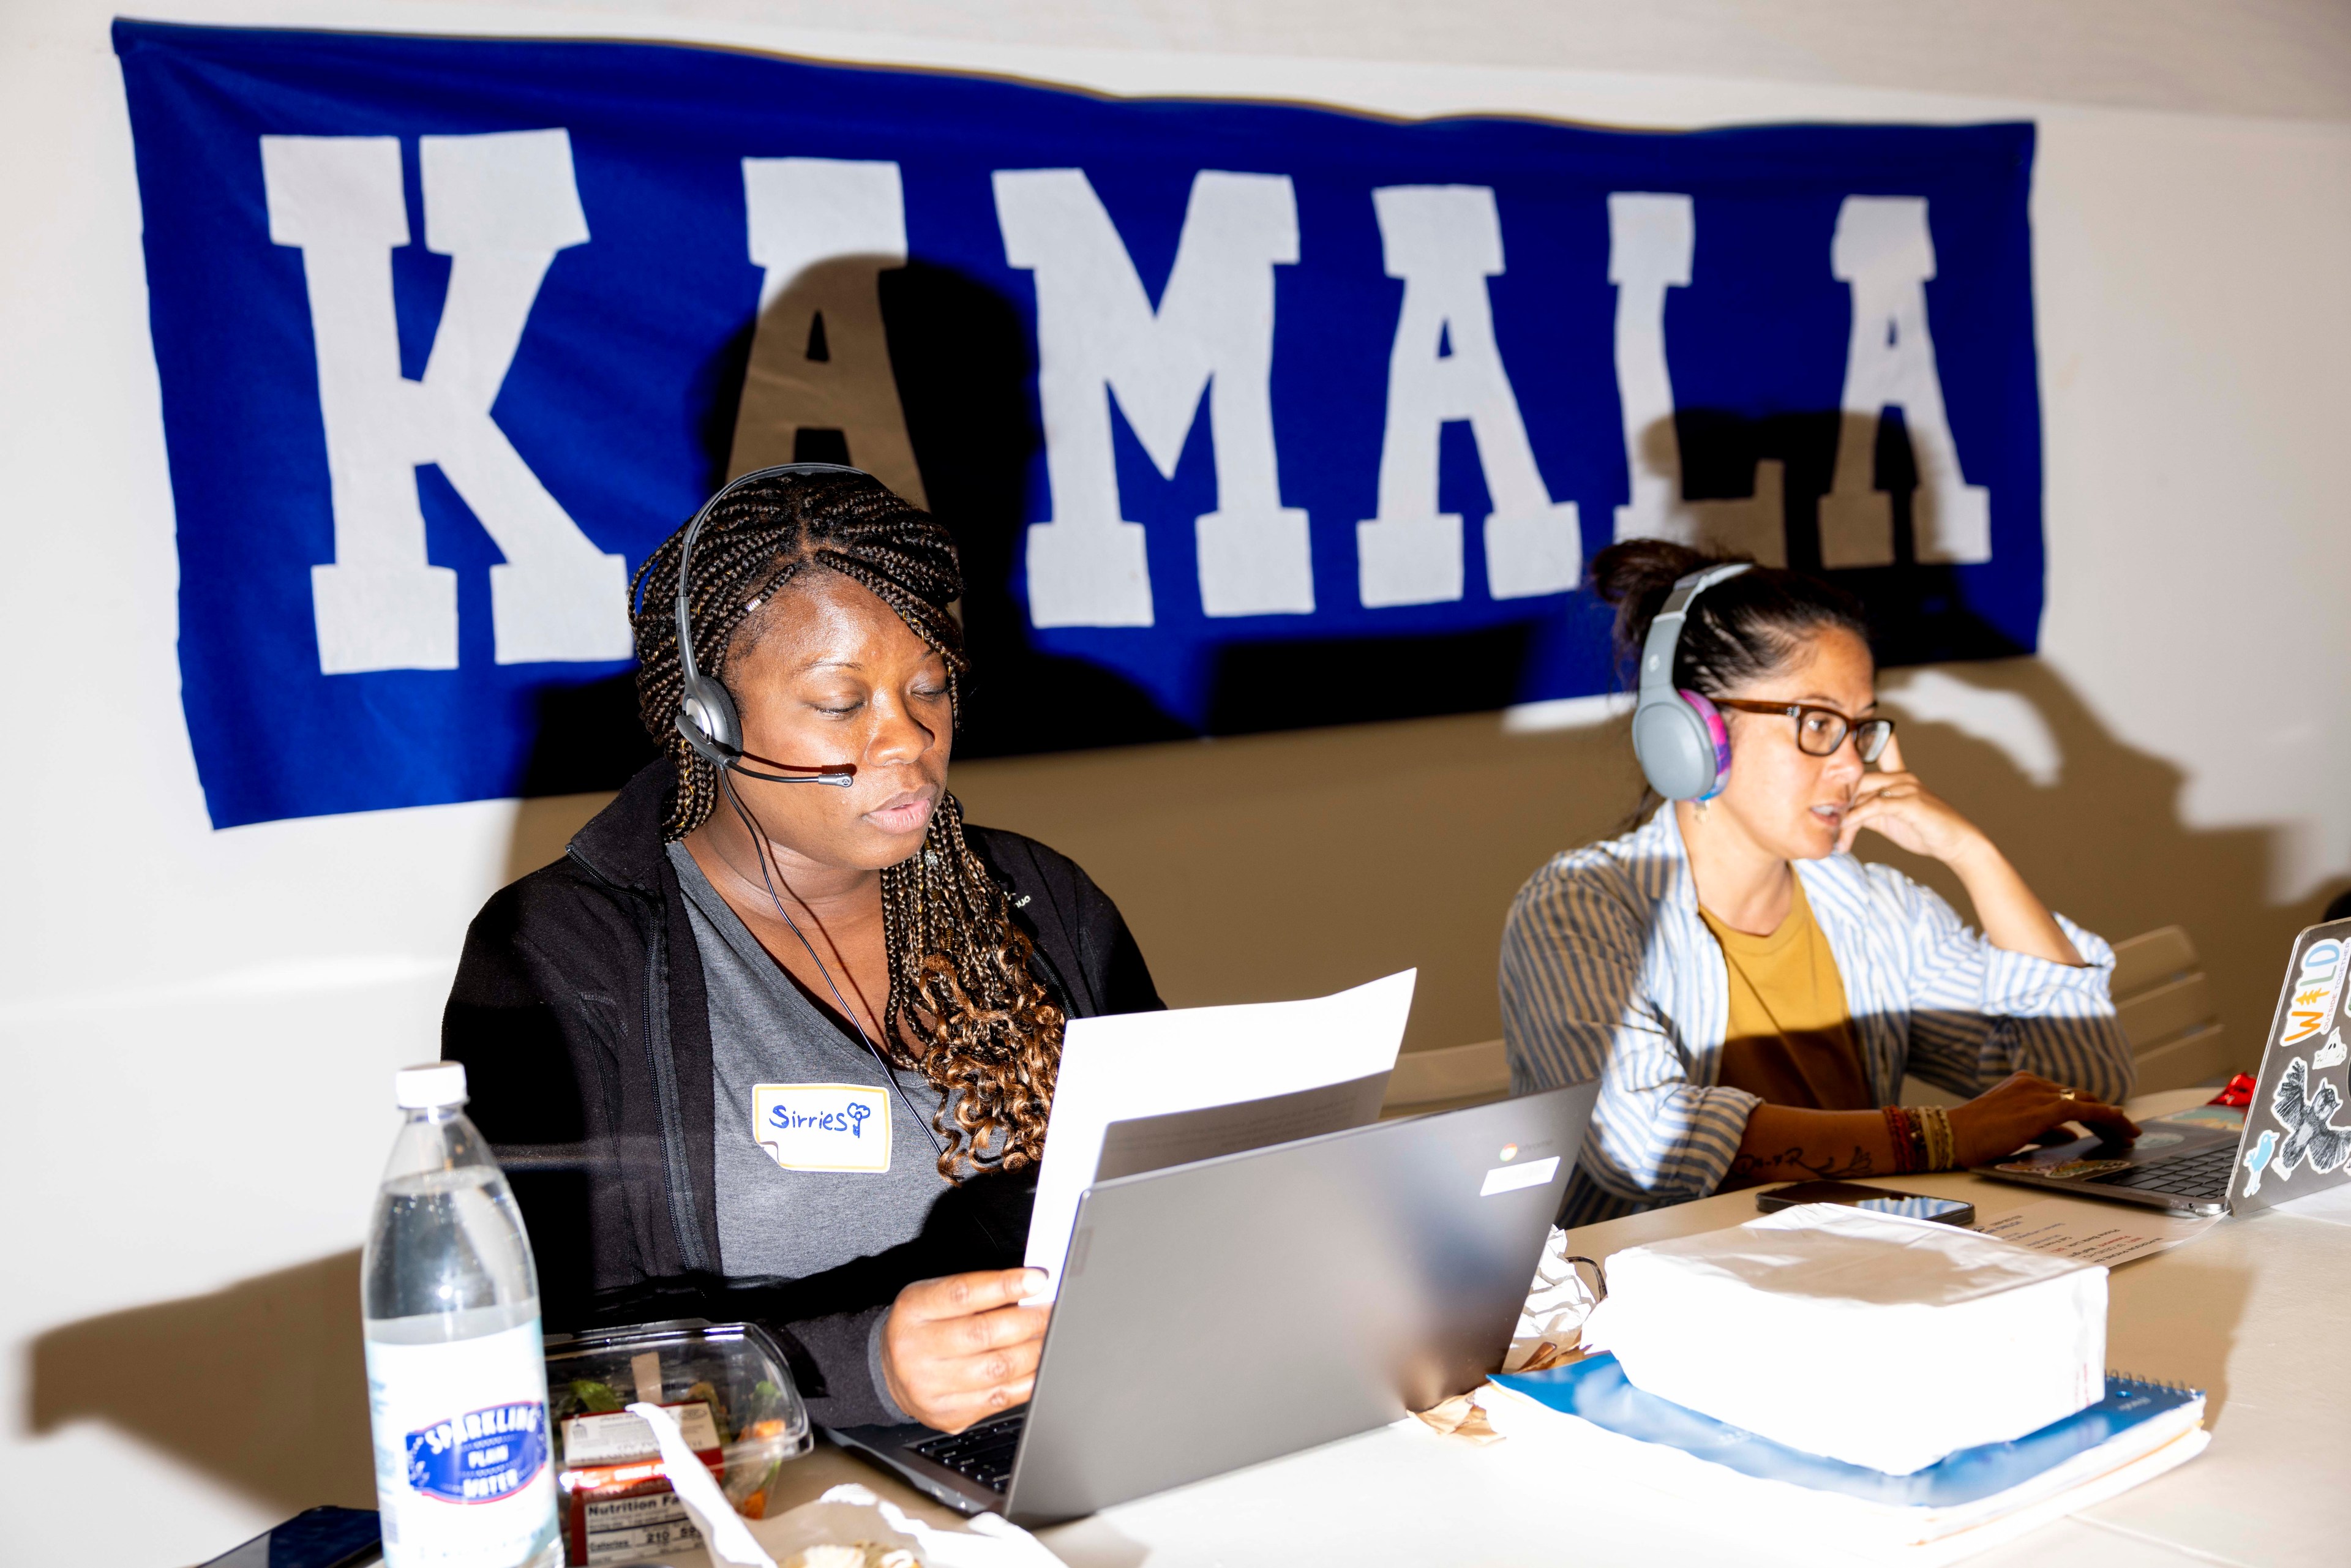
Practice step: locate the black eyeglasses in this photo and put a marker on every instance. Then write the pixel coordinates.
(1820, 730)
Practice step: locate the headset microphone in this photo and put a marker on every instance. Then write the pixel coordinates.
(1678, 737)
(706, 712)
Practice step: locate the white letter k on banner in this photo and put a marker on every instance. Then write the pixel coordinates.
(499, 206)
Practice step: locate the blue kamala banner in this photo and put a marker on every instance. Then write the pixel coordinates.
(1246, 417)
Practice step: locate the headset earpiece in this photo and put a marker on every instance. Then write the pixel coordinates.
(1717, 731)
(705, 714)
(1678, 737)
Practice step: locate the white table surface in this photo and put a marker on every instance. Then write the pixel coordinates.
(2257, 1312)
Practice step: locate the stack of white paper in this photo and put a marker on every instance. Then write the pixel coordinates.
(1880, 1341)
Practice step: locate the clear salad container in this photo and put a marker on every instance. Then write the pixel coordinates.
(734, 1400)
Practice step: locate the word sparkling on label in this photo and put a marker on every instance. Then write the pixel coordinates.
(822, 1126)
(481, 1456)
(2315, 991)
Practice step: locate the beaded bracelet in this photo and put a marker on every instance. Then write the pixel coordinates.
(1943, 1148)
(1909, 1146)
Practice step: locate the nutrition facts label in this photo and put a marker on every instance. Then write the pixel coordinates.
(624, 1528)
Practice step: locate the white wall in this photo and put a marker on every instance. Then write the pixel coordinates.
(206, 1020)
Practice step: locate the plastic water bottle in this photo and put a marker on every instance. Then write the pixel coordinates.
(456, 1377)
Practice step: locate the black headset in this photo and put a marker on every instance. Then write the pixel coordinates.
(706, 712)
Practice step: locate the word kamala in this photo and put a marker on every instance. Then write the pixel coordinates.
(502, 205)
(1221, 399)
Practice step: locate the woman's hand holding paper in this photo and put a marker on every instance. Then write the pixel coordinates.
(963, 1348)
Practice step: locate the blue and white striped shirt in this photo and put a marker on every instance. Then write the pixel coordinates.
(1608, 972)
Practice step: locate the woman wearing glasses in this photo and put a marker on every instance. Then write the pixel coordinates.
(1749, 993)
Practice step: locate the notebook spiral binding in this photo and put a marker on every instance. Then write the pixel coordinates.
(2164, 1384)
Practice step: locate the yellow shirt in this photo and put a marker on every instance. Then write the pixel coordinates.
(1790, 1037)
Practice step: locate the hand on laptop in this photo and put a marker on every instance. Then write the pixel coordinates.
(961, 1349)
(2020, 1108)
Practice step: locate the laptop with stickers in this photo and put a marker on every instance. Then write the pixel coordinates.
(1216, 1314)
(2292, 1143)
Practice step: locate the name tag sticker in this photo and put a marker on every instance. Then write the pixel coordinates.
(1509, 1178)
(822, 1126)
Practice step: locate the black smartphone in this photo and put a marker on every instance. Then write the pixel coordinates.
(1876, 1199)
(316, 1538)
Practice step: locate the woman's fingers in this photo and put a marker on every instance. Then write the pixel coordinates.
(1884, 780)
(961, 1410)
(962, 1295)
(1004, 1326)
(2098, 1116)
(955, 1391)
(1871, 811)
(1889, 756)
(958, 1349)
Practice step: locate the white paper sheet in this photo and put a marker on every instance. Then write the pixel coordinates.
(2332, 1205)
(2096, 1233)
(1151, 1064)
(723, 1534)
(854, 1513)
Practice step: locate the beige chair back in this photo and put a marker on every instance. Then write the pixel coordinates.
(2165, 1005)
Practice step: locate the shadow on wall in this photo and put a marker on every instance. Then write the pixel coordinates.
(262, 1385)
(1273, 866)
(2094, 826)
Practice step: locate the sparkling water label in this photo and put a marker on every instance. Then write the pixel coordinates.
(481, 1456)
(461, 1450)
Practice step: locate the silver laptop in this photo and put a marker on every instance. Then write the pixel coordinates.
(2194, 1162)
(1216, 1314)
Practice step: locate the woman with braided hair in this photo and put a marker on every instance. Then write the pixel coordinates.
(761, 1046)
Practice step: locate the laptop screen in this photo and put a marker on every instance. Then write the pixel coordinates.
(2297, 1138)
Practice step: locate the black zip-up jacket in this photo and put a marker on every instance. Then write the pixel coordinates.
(579, 1014)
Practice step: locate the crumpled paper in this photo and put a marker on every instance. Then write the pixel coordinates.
(846, 1515)
(1557, 1304)
(1550, 1326)
(854, 1513)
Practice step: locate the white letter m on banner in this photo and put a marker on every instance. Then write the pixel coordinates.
(1098, 334)
(499, 206)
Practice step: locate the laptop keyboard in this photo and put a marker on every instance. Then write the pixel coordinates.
(982, 1453)
(2204, 1175)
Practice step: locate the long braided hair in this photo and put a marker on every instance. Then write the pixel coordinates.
(965, 1006)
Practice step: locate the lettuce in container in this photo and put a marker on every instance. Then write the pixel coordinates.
(734, 1398)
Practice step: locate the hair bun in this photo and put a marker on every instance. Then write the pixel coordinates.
(1627, 572)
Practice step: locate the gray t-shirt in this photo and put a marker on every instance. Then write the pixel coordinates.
(786, 1072)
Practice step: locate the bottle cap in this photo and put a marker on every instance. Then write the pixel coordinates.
(428, 1085)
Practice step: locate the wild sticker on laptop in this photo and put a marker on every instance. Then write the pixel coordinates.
(2296, 1141)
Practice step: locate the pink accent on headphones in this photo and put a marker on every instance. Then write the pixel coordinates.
(1721, 734)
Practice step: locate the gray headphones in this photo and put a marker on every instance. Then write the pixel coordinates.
(1678, 737)
(706, 712)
